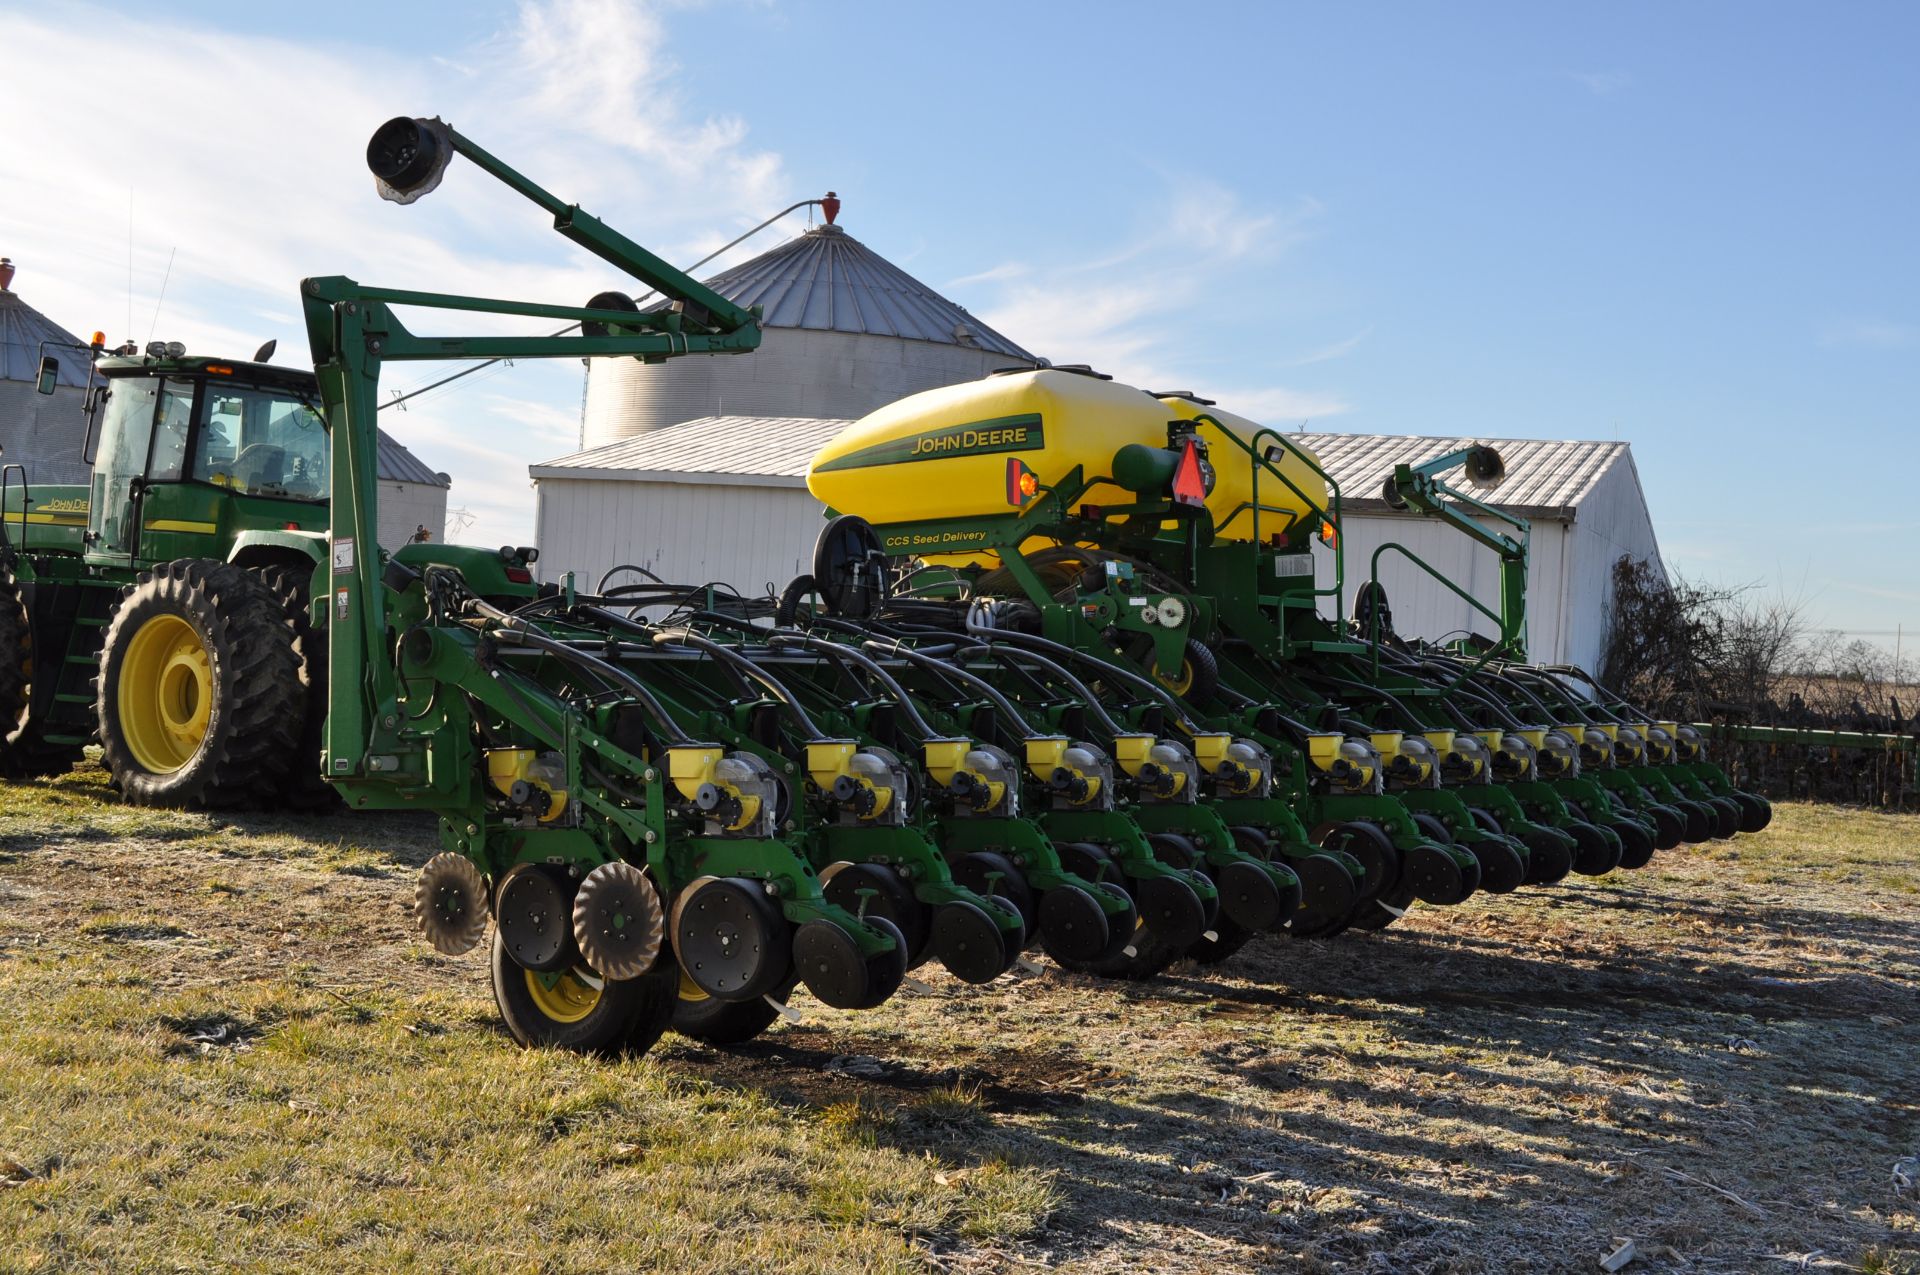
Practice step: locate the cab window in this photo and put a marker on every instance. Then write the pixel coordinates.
(260, 443)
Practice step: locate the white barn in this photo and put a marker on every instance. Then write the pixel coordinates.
(724, 498)
(1583, 501)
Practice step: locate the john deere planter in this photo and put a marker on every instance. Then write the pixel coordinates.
(1074, 675)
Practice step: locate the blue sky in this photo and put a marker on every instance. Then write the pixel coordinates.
(1688, 227)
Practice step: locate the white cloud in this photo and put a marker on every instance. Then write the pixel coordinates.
(1871, 334)
(1601, 83)
(1133, 310)
(242, 156)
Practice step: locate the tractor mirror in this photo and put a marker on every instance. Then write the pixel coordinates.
(49, 373)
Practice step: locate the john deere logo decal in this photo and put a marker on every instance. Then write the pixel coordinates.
(980, 438)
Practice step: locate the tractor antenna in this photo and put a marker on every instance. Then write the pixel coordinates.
(163, 294)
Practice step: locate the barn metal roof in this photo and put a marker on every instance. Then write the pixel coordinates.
(827, 280)
(754, 450)
(398, 465)
(26, 334)
(1544, 479)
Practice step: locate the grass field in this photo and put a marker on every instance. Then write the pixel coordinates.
(222, 1048)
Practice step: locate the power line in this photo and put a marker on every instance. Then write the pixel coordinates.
(469, 371)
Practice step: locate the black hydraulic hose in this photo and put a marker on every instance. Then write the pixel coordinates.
(687, 637)
(606, 670)
(1153, 689)
(1015, 720)
(872, 667)
(1079, 687)
(1407, 716)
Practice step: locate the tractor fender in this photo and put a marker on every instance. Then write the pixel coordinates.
(275, 547)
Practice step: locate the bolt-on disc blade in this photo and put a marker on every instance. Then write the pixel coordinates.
(450, 904)
(1379, 858)
(731, 938)
(1328, 890)
(535, 919)
(618, 921)
(1251, 898)
(1549, 855)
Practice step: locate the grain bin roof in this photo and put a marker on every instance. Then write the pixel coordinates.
(1544, 479)
(765, 451)
(829, 281)
(26, 334)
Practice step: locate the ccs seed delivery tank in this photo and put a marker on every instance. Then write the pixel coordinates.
(943, 453)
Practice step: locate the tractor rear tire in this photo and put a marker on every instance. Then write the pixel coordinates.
(200, 700)
(305, 788)
(24, 752)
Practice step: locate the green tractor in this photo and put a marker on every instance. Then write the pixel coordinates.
(162, 611)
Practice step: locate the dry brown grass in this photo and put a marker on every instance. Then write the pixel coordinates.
(221, 1048)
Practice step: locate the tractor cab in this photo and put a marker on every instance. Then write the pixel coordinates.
(189, 452)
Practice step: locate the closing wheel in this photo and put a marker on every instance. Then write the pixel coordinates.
(992, 875)
(1756, 812)
(1379, 858)
(200, 701)
(1170, 910)
(1549, 854)
(969, 942)
(1503, 866)
(1668, 825)
(730, 938)
(830, 963)
(1072, 924)
(533, 913)
(872, 889)
(1636, 843)
(1594, 853)
(618, 921)
(1433, 875)
(1699, 822)
(576, 1009)
(1285, 883)
(1328, 890)
(450, 904)
(1726, 817)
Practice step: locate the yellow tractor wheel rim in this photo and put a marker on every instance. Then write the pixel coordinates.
(568, 1001)
(165, 696)
(690, 990)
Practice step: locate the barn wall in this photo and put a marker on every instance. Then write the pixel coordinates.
(747, 536)
(404, 507)
(1612, 520)
(1422, 606)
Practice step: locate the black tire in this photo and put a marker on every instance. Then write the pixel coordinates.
(24, 751)
(305, 789)
(257, 703)
(625, 1016)
(1755, 812)
(1434, 827)
(712, 1021)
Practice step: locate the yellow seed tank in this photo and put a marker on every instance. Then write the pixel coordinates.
(945, 453)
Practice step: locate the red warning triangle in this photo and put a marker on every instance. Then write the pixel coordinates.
(1189, 481)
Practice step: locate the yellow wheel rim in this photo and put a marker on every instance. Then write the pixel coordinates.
(569, 999)
(165, 694)
(690, 990)
(1181, 684)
